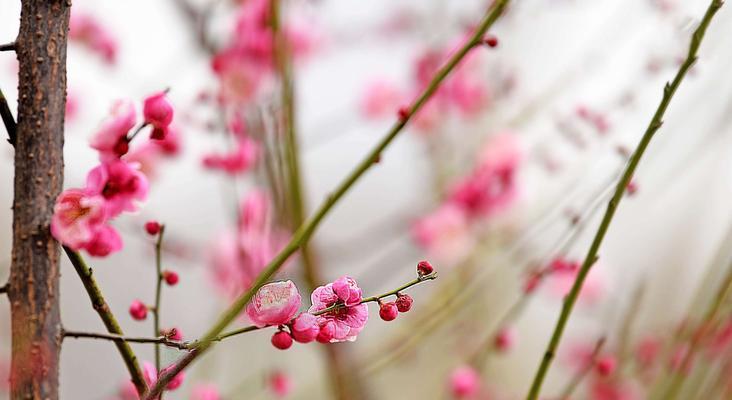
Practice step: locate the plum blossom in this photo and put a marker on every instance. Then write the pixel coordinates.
(343, 323)
(105, 242)
(77, 217)
(380, 99)
(120, 183)
(304, 328)
(158, 113)
(445, 233)
(347, 290)
(111, 138)
(279, 383)
(275, 303)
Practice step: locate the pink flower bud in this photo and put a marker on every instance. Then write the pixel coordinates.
(404, 302)
(504, 340)
(173, 334)
(403, 113)
(280, 384)
(275, 303)
(305, 328)
(170, 277)
(424, 268)
(605, 366)
(158, 112)
(347, 290)
(282, 340)
(464, 382)
(388, 311)
(138, 310)
(491, 41)
(152, 227)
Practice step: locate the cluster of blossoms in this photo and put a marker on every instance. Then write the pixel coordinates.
(85, 30)
(81, 215)
(488, 189)
(338, 311)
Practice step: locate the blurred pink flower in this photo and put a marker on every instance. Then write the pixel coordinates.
(445, 234)
(205, 391)
(239, 160)
(381, 99)
(464, 382)
(111, 138)
(87, 31)
(275, 303)
(341, 324)
(238, 257)
(280, 383)
(120, 183)
(105, 241)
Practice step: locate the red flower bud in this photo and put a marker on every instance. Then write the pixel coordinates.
(282, 340)
(404, 302)
(388, 311)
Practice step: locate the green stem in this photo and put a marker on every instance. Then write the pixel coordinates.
(306, 230)
(591, 257)
(158, 293)
(105, 313)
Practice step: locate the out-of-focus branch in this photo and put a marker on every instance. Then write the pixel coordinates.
(158, 292)
(110, 322)
(592, 253)
(8, 120)
(198, 20)
(303, 234)
(580, 375)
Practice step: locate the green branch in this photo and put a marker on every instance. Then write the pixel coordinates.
(592, 255)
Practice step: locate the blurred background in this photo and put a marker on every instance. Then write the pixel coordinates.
(557, 106)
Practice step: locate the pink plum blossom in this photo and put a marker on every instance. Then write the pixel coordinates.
(158, 113)
(445, 234)
(304, 328)
(120, 184)
(111, 138)
(77, 217)
(105, 242)
(275, 303)
(347, 290)
(380, 99)
(343, 323)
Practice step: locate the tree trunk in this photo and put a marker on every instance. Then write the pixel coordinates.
(33, 288)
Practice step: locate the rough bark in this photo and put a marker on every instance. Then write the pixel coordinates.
(33, 288)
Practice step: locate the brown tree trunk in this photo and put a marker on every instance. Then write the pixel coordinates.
(33, 288)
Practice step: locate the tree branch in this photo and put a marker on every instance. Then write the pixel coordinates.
(303, 234)
(8, 119)
(158, 293)
(8, 47)
(110, 322)
(592, 253)
(126, 339)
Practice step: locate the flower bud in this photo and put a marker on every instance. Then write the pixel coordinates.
(388, 311)
(282, 340)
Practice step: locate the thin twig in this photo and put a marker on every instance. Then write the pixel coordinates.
(105, 313)
(158, 293)
(4, 289)
(303, 234)
(8, 119)
(128, 339)
(8, 46)
(592, 253)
